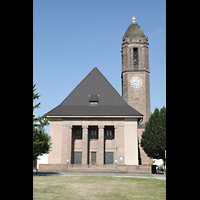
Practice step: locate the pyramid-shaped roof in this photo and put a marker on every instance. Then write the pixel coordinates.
(94, 96)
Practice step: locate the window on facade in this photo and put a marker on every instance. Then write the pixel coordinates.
(109, 132)
(135, 57)
(78, 133)
(93, 133)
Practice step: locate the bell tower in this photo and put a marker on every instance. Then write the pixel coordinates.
(135, 70)
(135, 78)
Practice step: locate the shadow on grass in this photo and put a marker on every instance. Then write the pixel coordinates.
(45, 173)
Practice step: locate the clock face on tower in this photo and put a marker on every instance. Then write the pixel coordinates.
(136, 81)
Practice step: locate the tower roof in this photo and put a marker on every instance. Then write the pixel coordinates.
(94, 96)
(134, 30)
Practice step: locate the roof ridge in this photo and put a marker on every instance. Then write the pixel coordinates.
(108, 82)
(71, 91)
(78, 85)
(115, 90)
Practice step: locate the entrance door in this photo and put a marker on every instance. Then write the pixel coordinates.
(93, 158)
(77, 157)
(108, 158)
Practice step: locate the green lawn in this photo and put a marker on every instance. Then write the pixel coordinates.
(97, 187)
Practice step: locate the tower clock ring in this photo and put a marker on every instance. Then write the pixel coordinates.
(136, 81)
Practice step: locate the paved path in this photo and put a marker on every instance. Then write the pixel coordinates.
(133, 175)
(160, 176)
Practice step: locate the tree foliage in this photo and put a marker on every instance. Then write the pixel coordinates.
(153, 138)
(41, 140)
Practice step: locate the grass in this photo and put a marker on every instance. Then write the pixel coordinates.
(97, 188)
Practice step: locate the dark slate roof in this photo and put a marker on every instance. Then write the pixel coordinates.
(94, 89)
(134, 30)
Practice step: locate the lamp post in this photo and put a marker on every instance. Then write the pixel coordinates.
(116, 160)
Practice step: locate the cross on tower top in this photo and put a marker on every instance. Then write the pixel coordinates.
(133, 20)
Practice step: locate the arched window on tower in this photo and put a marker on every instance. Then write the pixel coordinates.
(135, 58)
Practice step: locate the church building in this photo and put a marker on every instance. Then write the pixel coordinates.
(96, 129)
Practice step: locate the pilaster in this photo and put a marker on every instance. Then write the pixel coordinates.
(85, 145)
(68, 147)
(101, 146)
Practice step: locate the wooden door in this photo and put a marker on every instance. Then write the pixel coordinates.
(77, 157)
(108, 158)
(93, 158)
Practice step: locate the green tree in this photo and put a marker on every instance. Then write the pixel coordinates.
(153, 138)
(41, 140)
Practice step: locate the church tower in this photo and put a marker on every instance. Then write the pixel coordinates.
(135, 78)
(135, 70)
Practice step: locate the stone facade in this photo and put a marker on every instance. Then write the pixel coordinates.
(124, 137)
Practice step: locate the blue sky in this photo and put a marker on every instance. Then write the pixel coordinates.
(70, 38)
